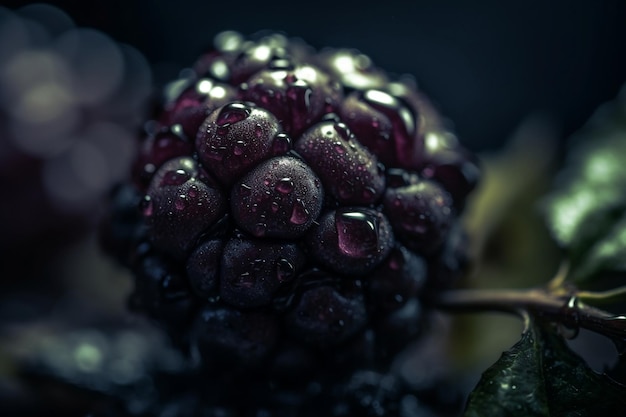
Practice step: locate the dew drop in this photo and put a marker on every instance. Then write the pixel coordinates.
(339, 148)
(357, 233)
(281, 144)
(284, 185)
(232, 113)
(178, 177)
(299, 213)
(216, 153)
(239, 147)
(343, 131)
(193, 191)
(246, 280)
(274, 207)
(284, 270)
(257, 265)
(245, 189)
(258, 130)
(181, 202)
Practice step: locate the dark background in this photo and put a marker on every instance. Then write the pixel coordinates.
(486, 64)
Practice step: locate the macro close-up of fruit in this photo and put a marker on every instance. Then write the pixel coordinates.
(297, 210)
(261, 218)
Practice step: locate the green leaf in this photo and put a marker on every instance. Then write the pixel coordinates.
(541, 376)
(587, 212)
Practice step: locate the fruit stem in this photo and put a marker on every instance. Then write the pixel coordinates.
(540, 303)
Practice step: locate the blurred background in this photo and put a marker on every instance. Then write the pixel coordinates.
(515, 78)
(486, 63)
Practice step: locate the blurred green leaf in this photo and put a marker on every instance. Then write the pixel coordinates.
(541, 376)
(586, 213)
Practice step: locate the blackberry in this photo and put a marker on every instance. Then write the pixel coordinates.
(297, 209)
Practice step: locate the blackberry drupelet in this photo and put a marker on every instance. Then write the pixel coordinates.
(296, 208)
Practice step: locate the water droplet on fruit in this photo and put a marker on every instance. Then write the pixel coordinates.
(193, 191)
(357, 233)
(216, 153)
(274, 207)
(284, 185)
(232, 113)
(178, 177)
(239, 147)
(181, 202)
(246, 280)
(245, 189)
(284, 270)
(343, 131)
(146, 206)
(339, 148)
(299, 213)
(281, 144)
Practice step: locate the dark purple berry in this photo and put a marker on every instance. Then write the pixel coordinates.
(325, 315)
(421, 214)
(235, 137)
(168, 143)
(354, 69)
(181, 203)
(351, 240)
(235, 60)
(446, 162)
(195, 103)
(385, 125)
(349, 172)
(203, 268)
(397, 279)
(297, 96)
(228, 338)
(252, 270)
(298, 210)
(279, 198)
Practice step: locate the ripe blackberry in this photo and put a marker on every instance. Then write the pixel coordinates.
(296, 207)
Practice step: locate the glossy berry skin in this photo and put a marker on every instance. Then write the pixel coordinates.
(351, 240)
(298, 210)
(195, 103)
(349, 172)
(421, 214)
(297, 95)
(385, 125)
(166, 143)
(280, 198)
(252, 270)
(235, 137)
(448, 163)
(181, 203)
